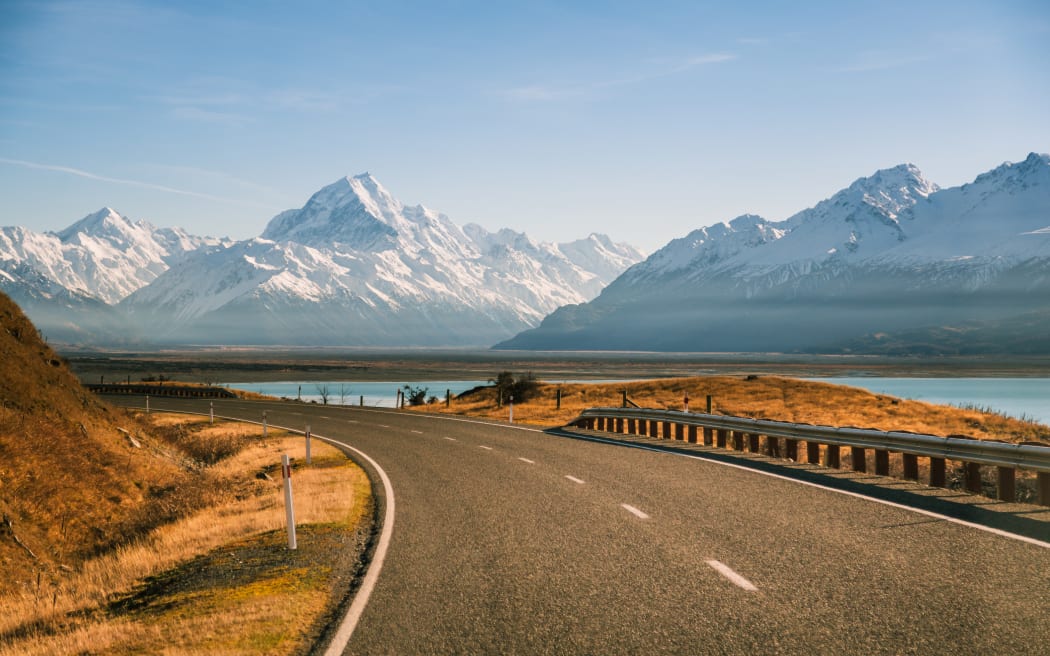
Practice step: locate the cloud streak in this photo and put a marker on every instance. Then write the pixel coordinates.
(124, 181)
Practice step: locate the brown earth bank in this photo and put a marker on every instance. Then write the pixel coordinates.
(129, 533)
(260, 365)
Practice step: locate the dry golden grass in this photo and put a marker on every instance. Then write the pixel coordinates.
(761, 397)
(261, 614)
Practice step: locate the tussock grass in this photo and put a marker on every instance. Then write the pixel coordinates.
(761, 397)
(264, 612)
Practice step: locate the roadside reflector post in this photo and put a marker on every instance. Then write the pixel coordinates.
(264, 423)
(685, 403)
(211, 411)
(147, 404)
(512, 408)
(289, 510)
(362, 401)
(308, 460)
(558, 398)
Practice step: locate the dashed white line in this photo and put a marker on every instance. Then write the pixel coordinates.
(531, 462)
(574, 479)
(418, 432)
(634, 511)
(735, 578)
(482, 446)
(451, 439)
(382, 426)
(352, 421)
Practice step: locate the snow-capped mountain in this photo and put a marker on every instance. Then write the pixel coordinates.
(355, 266)
(891, 253)
(104, 255)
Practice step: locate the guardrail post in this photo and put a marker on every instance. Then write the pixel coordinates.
(1006, 487)
(692, 434)
(791, 449)
(831, 456)
(812, 452)
(973, 477)
(910, 462)
(709, 436)
(937, 472)
(772, 446)
(752, 442)
(720, 437)
(882, 462)
(859, 459)
(1043, 483)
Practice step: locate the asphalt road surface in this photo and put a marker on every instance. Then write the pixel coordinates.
(512, 540)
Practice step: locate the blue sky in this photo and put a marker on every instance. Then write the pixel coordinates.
(642, 120)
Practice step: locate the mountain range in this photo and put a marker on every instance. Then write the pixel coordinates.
(891, 264)
(352, 267)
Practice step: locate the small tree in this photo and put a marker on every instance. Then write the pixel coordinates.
(520, 387)
(344, 391)
(416, 395)
(323, 392)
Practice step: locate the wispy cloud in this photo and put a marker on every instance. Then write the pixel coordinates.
(124, 181)
(191, 113)
(660, 68)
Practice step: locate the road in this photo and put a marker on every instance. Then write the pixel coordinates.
(511, 540)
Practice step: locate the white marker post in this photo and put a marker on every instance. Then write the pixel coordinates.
(147, 404)
(308, 461)
(512, 408)
(211, 411)
(286, 473)
(264, 423)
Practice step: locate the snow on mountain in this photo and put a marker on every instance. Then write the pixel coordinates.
(371, 270)
(890, 252)
(104, 255)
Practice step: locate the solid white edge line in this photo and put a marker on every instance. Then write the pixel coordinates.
(858, 495)
(531, 462)
(353, 614)
(357, 606)
(735, 578)
(574, 479)
(634, 511)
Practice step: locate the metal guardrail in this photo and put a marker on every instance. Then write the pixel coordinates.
(985, 452)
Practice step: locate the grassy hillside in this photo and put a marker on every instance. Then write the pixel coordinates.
(72, 482)
(760, 397)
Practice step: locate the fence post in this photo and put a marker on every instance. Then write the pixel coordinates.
(448, 398)
(308, 460)
(708, 404)
(623, 403)
(147, 404)
(361, 400)
(558, 398)
(289, 510)
(512, 408)
(211, 411)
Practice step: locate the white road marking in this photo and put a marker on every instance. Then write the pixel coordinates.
(451, 439)
(382, 425)
(482, 446)
(531, 462)
(323, 417)
(634, 511)
(574, 479)
(733, 577)
(418, 432)
(857, 495)
(352, 421)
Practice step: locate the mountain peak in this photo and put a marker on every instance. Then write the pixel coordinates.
(104, 220)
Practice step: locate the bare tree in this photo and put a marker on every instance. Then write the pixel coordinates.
(322, 391)
(344, 391)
